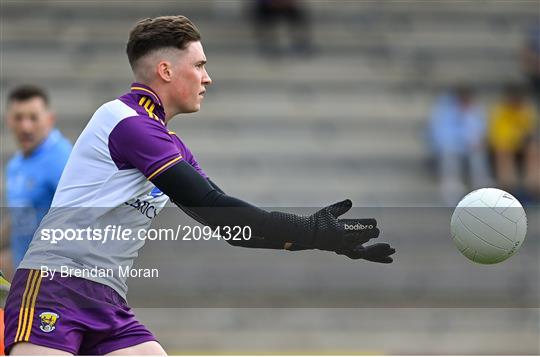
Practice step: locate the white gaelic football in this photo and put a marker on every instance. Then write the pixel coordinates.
(488, 225)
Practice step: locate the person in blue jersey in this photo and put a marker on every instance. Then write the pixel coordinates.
(33, 172)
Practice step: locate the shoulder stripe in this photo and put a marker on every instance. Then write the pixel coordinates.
(163, 167)
(147, 104)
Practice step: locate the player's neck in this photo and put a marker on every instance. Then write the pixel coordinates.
(170, 109)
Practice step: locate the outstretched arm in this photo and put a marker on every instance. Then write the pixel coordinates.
(209, 205)
(147, 145)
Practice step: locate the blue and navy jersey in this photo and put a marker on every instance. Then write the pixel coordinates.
(30, 185)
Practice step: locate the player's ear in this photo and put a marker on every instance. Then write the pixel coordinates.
(164, 70)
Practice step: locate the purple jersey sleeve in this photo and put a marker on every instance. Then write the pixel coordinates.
(142, 143)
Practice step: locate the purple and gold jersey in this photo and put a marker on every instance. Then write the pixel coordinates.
(106, 182)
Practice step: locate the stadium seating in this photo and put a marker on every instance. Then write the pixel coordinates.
(346, 122)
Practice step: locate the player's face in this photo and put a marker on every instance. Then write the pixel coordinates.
(190, 78)
(30, 121)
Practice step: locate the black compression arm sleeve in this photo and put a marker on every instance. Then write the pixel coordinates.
(206, 203)
(254, 242)
(216, 187)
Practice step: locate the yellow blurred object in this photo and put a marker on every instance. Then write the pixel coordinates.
(509, 126)
(4, 289)
(2, 332)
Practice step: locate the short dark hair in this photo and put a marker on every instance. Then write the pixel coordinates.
(26, 92)
(160, 32)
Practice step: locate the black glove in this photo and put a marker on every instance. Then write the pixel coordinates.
(354, 248)
(379, 253)
(323, 230)
(358, 232)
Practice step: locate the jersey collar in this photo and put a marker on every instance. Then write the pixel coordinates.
(139, 88)
(145, 91)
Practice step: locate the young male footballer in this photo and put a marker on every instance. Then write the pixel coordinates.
(124, 154)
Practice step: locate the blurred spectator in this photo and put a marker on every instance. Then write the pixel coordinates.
(457, 133)
(268, 14)
(32, 174)
(531, 60)
(513, 141)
